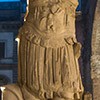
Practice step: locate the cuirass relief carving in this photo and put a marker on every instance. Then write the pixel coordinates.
(47, 19)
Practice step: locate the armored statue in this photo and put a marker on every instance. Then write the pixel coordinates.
(48, 54)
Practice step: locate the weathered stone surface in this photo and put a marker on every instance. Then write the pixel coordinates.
(96, 54)
(87, 96)
(48, 53)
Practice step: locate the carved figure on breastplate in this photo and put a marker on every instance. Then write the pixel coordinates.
(48, 54)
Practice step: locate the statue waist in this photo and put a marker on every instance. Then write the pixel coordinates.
(46, 39)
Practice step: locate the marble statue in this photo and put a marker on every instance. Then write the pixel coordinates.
(48, 54)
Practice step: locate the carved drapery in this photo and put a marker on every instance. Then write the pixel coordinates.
(48, 53)
(48, 50)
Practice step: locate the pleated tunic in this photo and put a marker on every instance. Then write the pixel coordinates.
(49, 68)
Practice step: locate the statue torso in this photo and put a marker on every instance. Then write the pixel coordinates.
(47, 26)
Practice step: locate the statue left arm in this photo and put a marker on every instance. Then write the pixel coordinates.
(71, 11)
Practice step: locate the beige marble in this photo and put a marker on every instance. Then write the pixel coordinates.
(48, 54)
